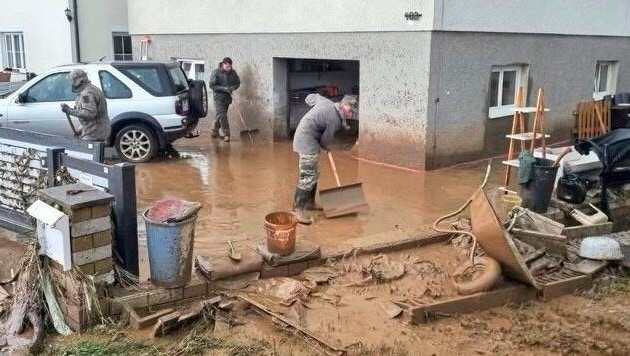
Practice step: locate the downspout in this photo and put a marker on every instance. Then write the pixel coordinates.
(77, 40)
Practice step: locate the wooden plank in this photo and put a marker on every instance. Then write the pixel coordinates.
(565, 286)
(600, 116)
(319, 343)
(516, 293)
(555, 244)
(582, 231)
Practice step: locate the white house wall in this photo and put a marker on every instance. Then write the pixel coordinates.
(47, 32)
(97, 21)
(276, 16)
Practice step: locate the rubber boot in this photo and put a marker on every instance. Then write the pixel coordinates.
(299, 204)
(311, 205)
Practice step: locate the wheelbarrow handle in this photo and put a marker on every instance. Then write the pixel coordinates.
(334, 168)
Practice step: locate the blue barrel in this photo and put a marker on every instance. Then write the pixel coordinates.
(170, 249)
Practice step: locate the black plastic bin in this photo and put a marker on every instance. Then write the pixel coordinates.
(536, 193)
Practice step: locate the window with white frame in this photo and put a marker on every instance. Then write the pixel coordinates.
(13, 50)
(122, 47)
(605, 79)
(504, 84)
(193, 68)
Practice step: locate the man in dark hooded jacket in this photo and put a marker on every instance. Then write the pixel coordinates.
(90, 107)
(223, 81)
(316, 131)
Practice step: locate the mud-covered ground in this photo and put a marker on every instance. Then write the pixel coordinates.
(347, 313)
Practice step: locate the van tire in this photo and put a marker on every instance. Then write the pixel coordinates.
(136, 144)
(198, 96)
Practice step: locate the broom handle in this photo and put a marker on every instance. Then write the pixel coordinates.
(239, 114)
(334, 168)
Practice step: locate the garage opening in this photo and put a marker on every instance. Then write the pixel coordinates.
(295, 78)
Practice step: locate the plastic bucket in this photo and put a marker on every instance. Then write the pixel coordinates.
(170, 250)
(509, 202)
(281, 227)
(536, 193)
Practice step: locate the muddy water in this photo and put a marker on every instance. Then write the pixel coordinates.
(240, 183)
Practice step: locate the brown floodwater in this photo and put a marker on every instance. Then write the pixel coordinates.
(239, 183)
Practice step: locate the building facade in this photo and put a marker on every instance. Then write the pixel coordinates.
(436, 79)
(39, 34)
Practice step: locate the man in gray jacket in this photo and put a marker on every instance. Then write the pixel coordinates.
(90, 107)
(223, 81)
(316, 131)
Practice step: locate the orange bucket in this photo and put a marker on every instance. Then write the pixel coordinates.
(281, 227)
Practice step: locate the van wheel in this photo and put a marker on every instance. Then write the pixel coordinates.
(136, 144)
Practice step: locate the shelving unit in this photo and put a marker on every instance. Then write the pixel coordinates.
(519, 134)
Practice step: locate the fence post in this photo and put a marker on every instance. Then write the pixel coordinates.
(98, 153)
(53, 163)
(122, 185)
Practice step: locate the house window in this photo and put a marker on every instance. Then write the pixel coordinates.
(605, 79)
(122, 47)
(504, 84)
(13, 50)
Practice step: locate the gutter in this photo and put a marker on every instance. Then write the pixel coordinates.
(77, 40)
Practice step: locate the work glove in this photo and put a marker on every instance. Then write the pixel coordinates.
(65, 108)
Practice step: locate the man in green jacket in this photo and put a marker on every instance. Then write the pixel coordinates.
(223, 81)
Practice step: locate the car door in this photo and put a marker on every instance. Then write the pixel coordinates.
(40, 107)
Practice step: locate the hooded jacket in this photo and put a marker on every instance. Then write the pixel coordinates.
(223, 84)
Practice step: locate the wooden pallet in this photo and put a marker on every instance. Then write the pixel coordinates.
(592, 118)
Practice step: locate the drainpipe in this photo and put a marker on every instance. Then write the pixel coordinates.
(77, 41)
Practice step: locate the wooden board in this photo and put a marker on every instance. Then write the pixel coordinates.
(515, 293)
(495, 241)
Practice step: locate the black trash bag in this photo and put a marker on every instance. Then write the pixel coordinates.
(571, 189)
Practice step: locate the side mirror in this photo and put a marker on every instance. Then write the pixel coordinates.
(22, 97)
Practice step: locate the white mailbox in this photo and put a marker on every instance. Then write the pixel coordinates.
(53, 233)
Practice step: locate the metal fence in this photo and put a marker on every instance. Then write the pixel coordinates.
(31, 161)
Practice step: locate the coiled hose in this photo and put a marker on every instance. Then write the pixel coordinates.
(468, 233)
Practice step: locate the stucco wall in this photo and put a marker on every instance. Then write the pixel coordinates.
(458, 127)
(394, 71)
(97, 21)
(47, 36)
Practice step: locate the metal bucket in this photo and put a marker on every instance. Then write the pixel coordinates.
(170, 250)
(281, 227)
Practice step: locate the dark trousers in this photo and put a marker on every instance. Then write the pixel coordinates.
(220, 118)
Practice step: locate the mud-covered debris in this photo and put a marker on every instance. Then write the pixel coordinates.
(391, 310)
(283, 289)
(331, 296)
(319, 274)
